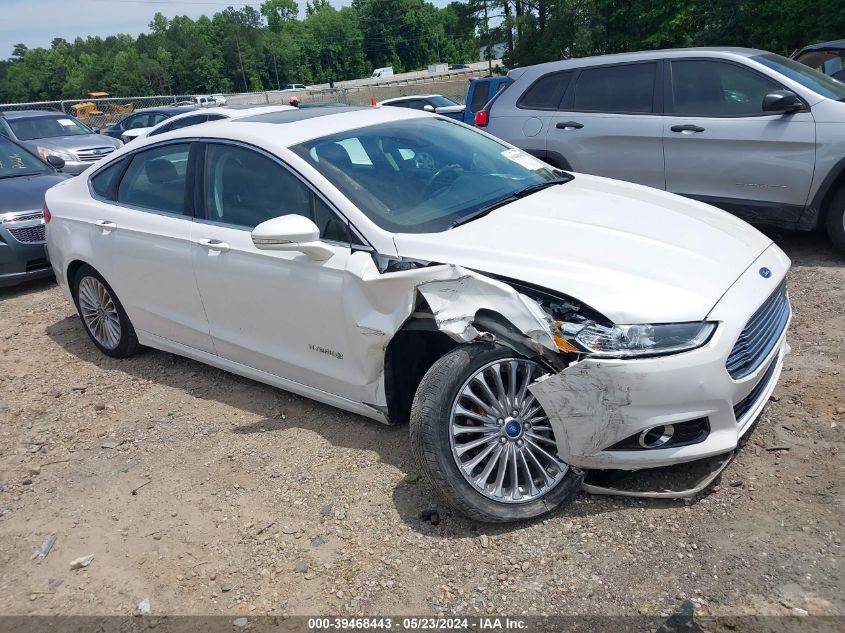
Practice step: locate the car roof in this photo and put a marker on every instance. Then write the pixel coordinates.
(725, 52)
(834, 45)
(286, 128)
(20, 114)
(408, 98)
(167, 109)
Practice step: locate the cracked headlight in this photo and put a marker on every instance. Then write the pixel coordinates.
(44, 152)
(627, 341)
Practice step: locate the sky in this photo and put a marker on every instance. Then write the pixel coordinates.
(36, 22)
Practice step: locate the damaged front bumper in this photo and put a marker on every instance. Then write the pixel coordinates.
(597, 405)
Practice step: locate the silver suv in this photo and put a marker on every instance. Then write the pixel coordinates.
(751, 132)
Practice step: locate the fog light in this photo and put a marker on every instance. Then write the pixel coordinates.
(657, 436)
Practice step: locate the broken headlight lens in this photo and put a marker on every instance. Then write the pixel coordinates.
(626, 341)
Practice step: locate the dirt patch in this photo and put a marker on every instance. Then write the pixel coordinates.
(208, 493)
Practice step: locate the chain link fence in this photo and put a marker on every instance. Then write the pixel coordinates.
(101, 112)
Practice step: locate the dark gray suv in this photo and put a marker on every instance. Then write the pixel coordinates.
(751, 132)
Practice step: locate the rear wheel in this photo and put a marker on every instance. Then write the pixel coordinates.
(484, 440)
(836, 220)
(102, 314)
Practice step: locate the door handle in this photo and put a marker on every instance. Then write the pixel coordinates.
(569, 125)
(687, 129)
(105, 225)
(214, 245)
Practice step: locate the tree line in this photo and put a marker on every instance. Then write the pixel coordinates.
(250, 49)
(245, 49)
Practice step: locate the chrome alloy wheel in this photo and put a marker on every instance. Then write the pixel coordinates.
(99, 312)
(501, 439)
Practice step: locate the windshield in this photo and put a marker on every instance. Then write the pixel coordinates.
(48, 126)
(440, 102)
(16, 161)
(423, 175)
(804, 75)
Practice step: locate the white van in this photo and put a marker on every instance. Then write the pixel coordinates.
(383, 72)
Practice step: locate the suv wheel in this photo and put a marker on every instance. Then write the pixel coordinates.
(484, 440)
(836, 220)
(102, 315)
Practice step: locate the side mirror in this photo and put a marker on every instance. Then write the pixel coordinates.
(96, 130)
(782, 101)
(428, 108)
(56, 162)
(291, 233)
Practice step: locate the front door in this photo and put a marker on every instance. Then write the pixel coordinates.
(722, 148)
(278, 312)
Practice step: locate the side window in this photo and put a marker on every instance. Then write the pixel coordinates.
(479, 96)
(155, 119)
(546, 93)
(155, 179)
(718, 89)
(162, 129)
(618, 88)
(187, 122)
(104, 183)
(245, 188)
(139, 120)
(215, 117)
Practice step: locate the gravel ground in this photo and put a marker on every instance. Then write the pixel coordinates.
(210, 494)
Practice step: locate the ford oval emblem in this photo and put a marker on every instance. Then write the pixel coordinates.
(765, 273)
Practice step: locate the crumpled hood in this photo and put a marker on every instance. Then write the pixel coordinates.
(635, 254)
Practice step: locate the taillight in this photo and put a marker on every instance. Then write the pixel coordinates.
(481, 118)
(47, 215)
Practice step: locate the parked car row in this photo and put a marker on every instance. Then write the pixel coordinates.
(534, 322)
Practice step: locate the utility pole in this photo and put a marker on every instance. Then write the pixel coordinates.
(278, 85)
(487, 34)
(437, 40)
(240, 59)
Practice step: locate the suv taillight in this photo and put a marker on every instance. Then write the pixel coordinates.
(481, 118)
(47, 215)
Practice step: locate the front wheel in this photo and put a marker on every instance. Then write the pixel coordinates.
(484, 440)
(836, 220)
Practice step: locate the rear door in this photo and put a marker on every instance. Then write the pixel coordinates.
(609, 123)
(722, 148)
(142, 225)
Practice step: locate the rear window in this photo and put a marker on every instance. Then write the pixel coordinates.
(619, 88)
(546, 93)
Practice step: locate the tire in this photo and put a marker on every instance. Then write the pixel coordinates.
(435, 445)
(835, 220)
(116, 338)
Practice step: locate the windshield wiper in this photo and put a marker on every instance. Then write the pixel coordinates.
(527, 191)
(484, 210)
(520, 193)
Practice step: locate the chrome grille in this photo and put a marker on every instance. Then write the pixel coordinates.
(29, 234)
(760, 335)
(93, 154)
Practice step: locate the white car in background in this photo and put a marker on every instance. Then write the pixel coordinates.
(530, 323)
(195, 117)
(219, 98)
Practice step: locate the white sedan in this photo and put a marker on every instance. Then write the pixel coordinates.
(533, 325)
(195, 117)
